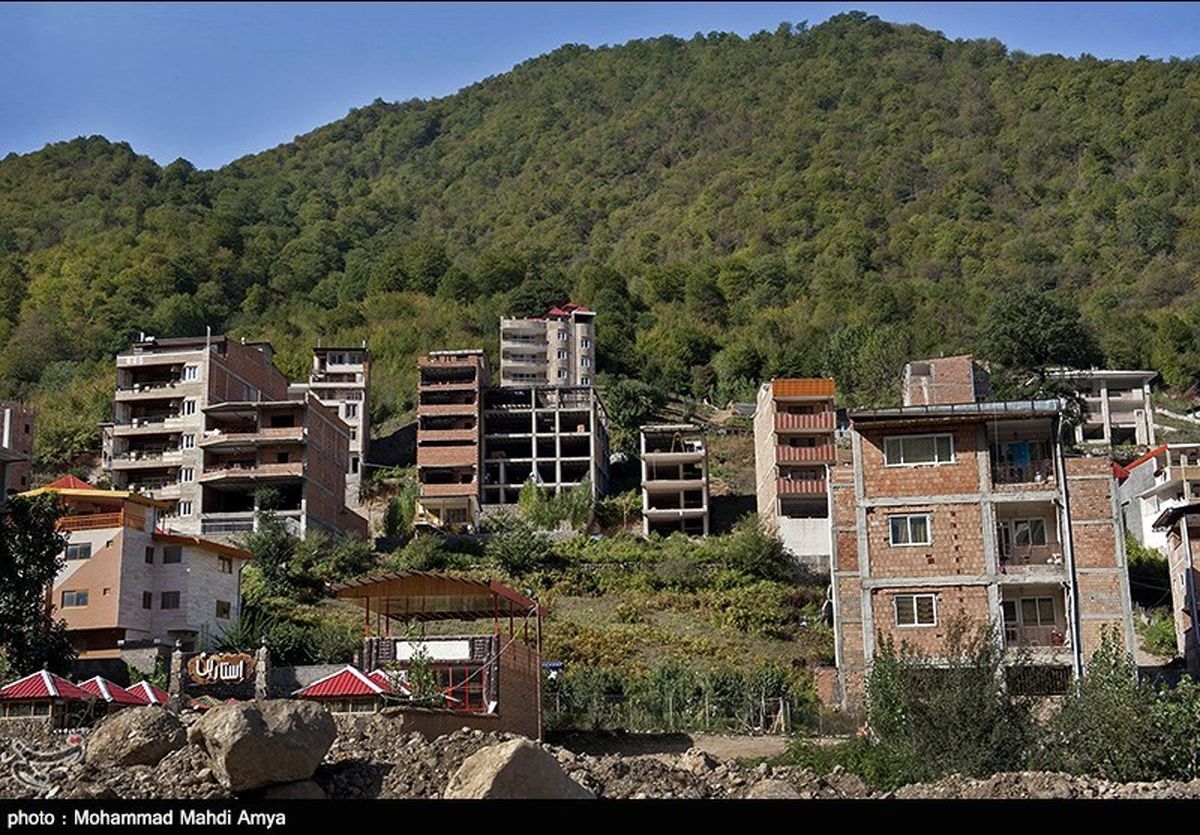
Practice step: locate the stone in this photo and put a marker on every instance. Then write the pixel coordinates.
(517, 769)
(773, 790)
(697, 761)
(250, 745)
(300, 790)
(135, 736)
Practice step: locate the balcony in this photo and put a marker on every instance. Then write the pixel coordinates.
(155, 390)
(448, 435)
(801, 486)
(820, 453)
(1032, 555)
(1036, 637)
(141, 459)
(819, 422)
(673, 485)
(272, 434)
(467, 488)
(1038, 471)
(154, 425)
(96, 521)
(251, 471)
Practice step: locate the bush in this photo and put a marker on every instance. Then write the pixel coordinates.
(518, 548)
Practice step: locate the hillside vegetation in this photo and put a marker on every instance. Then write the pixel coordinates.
(829, 200)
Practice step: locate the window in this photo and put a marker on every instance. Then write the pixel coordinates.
(170, 600)
(184, 508)
(562, 336)
(223, 609)
(249, 392)
(585, 343)
(351, 410)
(354, 433)
(281, 457)
(147, 600)
(1029, 611)
(81, 551)
(226, 565)
(585, 381)
(187, 442)
(562, 374)
(172, 553)
(354, 464)
(149, 556)
(586, 362)
(916, 609)
(187, 474)
(190, 372)
(918, 449)
(909, 530)
(188, 408)
(74, 599)
(1029, 532)
(562, 355)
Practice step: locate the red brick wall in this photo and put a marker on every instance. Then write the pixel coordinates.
(953, 603)
(943, 479)
(241, 365)
(956, 546)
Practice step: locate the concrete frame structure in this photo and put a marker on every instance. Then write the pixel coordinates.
(17, 424)
(1165, 477)
(674, 479)
(558, 349)
(957, 379)
(556, 435)
(449, 438)
(1119, 405)
(1180, 526)
(973, 511)
(124, 579)
(794, 446)
(341, 380)
(172, 438)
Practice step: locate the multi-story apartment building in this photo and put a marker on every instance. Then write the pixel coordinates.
(449, 434)
(555, 435)
(341, 380)
(1119, 407)
(16, 447)
(1165, 477)
(1179, 525)
(973, 511)
(674, 479)
(172, 438)
(794, 446)
(558, 349)
(124, 579)
(957, 379)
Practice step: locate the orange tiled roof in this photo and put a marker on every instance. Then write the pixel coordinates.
(803, 387)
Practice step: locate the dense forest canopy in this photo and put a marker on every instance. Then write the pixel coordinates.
(825, 200)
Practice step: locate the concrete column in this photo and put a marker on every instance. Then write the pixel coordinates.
(1104, 413)
(175, 681)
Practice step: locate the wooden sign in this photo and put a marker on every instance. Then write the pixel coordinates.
(221, 668)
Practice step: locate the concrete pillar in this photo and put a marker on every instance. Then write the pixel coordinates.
(175, 700)
(1104, 413)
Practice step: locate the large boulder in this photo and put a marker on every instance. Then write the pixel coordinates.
(261, 743)
(516, 769)
(135, 736)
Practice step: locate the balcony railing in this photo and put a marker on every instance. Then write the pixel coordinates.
(1039, 471)
(820, 453)
(1033, 555)
(822, 421)
(801, 486)
(1054, 637)
(92, 521)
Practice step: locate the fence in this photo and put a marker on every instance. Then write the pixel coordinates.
(765, 715)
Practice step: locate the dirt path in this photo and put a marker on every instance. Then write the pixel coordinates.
(721, 746)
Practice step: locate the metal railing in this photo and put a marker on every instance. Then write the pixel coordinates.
(1039, 471)
(1033, 554)
(1054, 636)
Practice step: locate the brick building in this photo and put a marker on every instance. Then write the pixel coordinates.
(974, 511)
(794, 428)
(957, 379)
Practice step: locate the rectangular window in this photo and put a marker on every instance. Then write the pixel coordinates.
(916, 609)
(908, 450)
(562, 336)
(147, 600)
(562, 374)
(585, 343)
(223, 609)
(190, 372)
(172, 553)
(226, 565)
(187, 442)
(1029, 532)
(187, 474)
(149, 556)
(354, 433)
(562, 355)
(184, 508)
(189, 407)
(351, 410)
(909, 530)
(585, 381)
(586, 362)
(170, 600)
(354, 464)
(74, 599)
(81, 551)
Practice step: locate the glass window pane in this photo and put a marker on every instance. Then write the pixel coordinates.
(925, 613)
(918, 450)
(918, 528)
(1045, 611)
(904, 610)
(899, 530)
(1010, 611)
(945, 448)
(1021, 529)
(891, 451)
(1037, 531)
(1029, 614)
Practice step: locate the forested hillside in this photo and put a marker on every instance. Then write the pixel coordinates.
(829, 200)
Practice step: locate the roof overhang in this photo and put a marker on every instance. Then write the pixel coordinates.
(430, 595)
(1172, 515)
(958, 413)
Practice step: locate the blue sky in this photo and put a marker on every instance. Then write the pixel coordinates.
(212, 82)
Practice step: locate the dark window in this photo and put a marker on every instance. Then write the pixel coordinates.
(149, 556)
(170, 600)
(147, 600)
(223, 609)
(81, 551)
(74, 598)
(172, 553)
(226, 565)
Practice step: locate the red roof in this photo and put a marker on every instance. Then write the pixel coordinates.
(44, 685)
(69, 482)
(567, 310)
(110, 692)
(1123, 472)
(347, 681)
(152, 695)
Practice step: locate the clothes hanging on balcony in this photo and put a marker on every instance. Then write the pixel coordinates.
(1020, 453)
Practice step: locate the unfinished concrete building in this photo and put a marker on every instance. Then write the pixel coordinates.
(17, 423)
(449, 434)
(974, 512)
(674, 479)
(794, 447)
(341, 380)
(1120, 412)
(957, 379)
(558, 349)
(201, 423)
(556, 436)
(1180, 527)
